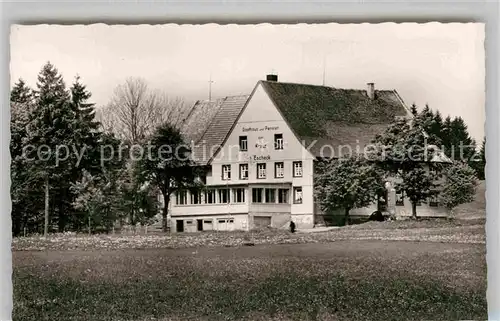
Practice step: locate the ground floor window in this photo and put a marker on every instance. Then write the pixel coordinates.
(195, 197)
(210, 197)
(283, 196)
(224, 196)
(181, 197)
(270, 195)
(239, 195)
(297, 195)
(257, 195)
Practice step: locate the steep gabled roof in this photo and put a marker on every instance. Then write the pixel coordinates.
(319, 116)
(334, 117)
(199, 118)
(209, 123)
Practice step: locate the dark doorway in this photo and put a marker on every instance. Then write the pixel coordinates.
(200, 225)
(180, 225)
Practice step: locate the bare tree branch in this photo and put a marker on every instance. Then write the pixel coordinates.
(135, 110)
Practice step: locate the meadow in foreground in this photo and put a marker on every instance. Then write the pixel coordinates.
(341, 280)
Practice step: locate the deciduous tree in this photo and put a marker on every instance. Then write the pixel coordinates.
(347, 184)
(403, 151)
(135, 110)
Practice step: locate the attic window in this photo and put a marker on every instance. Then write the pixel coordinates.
(278, 141)
(243, 143)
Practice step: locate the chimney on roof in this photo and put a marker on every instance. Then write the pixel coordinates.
(272, 77)
(370, 90)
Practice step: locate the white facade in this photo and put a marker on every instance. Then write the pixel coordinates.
(267, 184)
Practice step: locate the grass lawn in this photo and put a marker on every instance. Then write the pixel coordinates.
(363, 272)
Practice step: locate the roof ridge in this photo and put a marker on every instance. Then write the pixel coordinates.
(294, 83)
(189, 114)
(323, 86)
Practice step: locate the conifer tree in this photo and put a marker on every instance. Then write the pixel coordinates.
(462, 145)
(51, 124)
(446, 136)
(23, 188)
(437, 126)
(426, 121)
(21, 93)
(414, 110)
(479, 161)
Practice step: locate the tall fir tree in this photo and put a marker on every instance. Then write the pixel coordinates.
(21, 93)
(51, 125)
(436, 127)
(463, 147)
(414, 110)
(446, 136)
(80, 102)
(426, 121)
(25, 199)
(479, 162)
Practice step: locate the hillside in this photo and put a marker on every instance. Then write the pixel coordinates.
(475, 209)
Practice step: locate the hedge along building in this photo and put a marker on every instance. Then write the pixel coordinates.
(258, 152)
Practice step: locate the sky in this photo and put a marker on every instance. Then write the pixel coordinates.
(442, 65)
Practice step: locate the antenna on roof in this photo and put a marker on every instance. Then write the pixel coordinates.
(210, 88)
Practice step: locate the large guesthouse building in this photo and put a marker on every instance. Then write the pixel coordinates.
(258, 151)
